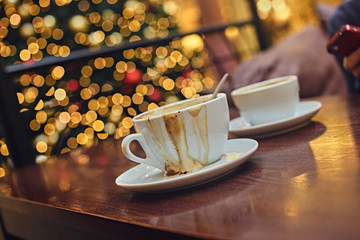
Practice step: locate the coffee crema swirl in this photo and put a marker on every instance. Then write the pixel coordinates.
(260, 85)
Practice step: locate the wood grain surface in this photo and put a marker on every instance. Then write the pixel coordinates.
(300, 185)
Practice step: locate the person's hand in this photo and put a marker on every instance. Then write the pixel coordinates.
(352, 63)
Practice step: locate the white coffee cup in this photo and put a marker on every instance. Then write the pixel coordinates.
(268, 101)
(183, 136)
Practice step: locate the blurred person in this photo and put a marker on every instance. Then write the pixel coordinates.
(348, 13)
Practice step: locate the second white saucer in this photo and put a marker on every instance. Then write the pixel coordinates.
(304, 112)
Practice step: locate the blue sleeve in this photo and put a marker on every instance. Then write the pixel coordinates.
(347, 13)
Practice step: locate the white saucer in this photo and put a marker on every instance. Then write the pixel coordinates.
(304, 112)
(144, 178)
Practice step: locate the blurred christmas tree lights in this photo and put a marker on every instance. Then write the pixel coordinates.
(93, 100)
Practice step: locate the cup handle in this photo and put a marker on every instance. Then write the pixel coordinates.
(125, 146)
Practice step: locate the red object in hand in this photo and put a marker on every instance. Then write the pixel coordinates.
(345, 41)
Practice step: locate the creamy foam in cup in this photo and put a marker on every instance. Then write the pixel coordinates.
(181, 137)
(167, 109)
(261, 85)
(268, 101)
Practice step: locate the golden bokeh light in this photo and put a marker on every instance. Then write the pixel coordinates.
(121, 132)
(86, 93)
(103, 111)
(126, 101)
(2, 172)
(34, 10)
(142, 89)
(84, 81)
(30, 94)
(72, 143)
(121, 67)
(38, 80)
(102, 136)
(103, 101)
(93, 104)
(168, 84)
(128, 13)
(79, 23)
(64, 117)
(41, 116)
(83, 5)
(35, 125)
(232, 32)
(176, 56)
(41, 147)
(50, 92)
(131, 111)
(15, 20)
(91, 116)
(57, 34)
(39, 105)
(107, 25)
(25, 79)
(129, 54)
(86, 71)
(49, 21)
(20, 97)
(169, 62)
(188, 92)
(152, 106)
(117, 110)
(99, 63)
(82, 138)
(60, 94)
(25, 55)
(65, 150)
(75, 117)
(73, 108)
(4, 150)
(107, 87)
(64, 51)
(97, 37)
(49, 129)
(44, 3)
(127, 122)
(94, 88)
(193, 43)
(89, 133)
(137, 98)
(58, 72)
(98, 125)
(134, 26)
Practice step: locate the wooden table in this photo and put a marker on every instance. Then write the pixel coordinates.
(300, 185)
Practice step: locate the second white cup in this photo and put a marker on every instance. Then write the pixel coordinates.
(268, 101)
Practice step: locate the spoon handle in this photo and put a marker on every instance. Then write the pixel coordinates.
(220, 85)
